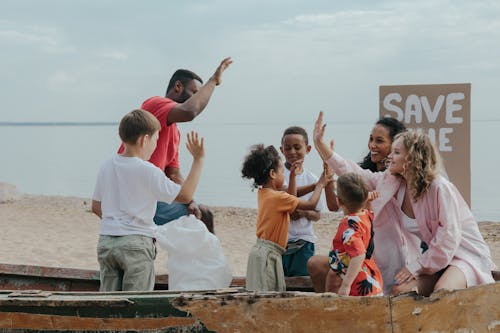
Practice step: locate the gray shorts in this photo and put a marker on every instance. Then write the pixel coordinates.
(126, 262)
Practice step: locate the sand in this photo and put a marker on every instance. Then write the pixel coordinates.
(62, 232)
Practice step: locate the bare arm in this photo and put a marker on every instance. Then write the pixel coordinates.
(313, 200)
(312, 215)
(303, 190)
(321, 146)
(292, 188)
(197, 150)
(192, 107)
(330, 196)
(351, 273)
(174, 174)
(96, 208)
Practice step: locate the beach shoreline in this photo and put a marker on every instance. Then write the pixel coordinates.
(59, 231)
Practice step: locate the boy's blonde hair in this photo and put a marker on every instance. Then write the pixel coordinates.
(137, 123)
(352, 191)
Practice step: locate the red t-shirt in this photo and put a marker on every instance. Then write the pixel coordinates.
(166, 153)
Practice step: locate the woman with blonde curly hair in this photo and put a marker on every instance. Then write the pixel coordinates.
(425, 236)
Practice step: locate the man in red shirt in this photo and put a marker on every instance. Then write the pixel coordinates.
(186, 97)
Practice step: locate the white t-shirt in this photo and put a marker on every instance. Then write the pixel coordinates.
(128, 189)
(302, 228)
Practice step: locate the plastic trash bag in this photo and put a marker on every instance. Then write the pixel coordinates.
(196, 260)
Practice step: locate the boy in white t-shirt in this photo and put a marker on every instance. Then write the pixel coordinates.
(301, 238)
(125, 196)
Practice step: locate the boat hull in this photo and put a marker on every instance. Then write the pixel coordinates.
(468, 310)
(34, 298)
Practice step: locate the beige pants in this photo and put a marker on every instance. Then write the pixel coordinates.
(126, 263)
(265, 269)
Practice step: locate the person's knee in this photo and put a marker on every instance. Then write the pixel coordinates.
(207, 217)
(312, 265)
(333, 281)
(452, 278)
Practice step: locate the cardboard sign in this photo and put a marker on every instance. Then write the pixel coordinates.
(443, 112)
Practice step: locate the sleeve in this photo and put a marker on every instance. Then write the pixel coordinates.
(352, 237)
(174, 147)
(97, 196)
(341, 166)
(159, 107)
(288, 202)
(447, 236)
(163, 188)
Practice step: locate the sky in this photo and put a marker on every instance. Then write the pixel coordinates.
(94, 60)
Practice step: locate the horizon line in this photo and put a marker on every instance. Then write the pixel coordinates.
(115, 123)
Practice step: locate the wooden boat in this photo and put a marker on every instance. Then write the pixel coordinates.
(66, 299)
(28, 277)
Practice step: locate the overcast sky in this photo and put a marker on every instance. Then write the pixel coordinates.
(96, 60)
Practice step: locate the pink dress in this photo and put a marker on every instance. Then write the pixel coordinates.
(445, 222)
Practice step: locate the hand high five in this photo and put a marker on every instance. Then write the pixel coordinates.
(222, 67)
(319, 143)
(195, 145)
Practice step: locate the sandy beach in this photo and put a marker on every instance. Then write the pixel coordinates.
(62, 232)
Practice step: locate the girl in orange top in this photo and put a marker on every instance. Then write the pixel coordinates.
(264, 166)
(352, 269)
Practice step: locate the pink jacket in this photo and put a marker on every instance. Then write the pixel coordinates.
(445, 223)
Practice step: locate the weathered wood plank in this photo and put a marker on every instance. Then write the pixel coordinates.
(474, 309)
(289, 312)
(19, 277)
(26, 321)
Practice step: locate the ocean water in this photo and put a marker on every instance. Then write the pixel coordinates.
(63, 159)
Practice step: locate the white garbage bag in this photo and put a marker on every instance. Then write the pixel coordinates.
(196, 260)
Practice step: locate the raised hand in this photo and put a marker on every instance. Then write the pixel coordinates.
(319, 128)
(297, 165)
(195, 145)
(222, 67)
(319, 143)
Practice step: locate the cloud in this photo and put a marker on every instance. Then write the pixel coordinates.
(61, 79)
(428, 33)
(113, 55)
(48, 40)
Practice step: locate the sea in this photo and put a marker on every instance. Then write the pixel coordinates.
(57, 158)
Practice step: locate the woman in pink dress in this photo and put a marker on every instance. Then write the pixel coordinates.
(425, 236)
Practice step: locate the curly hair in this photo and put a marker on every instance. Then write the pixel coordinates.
(394, 127)
(422, 161)
(259, 162)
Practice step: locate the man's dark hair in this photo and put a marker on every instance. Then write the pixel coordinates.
(184, 76)
(296, 130)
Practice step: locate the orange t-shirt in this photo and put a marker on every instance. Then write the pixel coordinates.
(273, 217)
